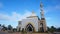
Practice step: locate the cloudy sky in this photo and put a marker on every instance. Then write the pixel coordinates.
(11, 11)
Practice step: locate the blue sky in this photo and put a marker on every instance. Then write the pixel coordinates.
(11, 11)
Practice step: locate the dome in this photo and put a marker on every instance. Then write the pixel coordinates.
(33, 14)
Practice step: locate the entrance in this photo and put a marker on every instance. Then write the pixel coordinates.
(29, 28)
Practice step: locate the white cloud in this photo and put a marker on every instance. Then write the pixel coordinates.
(51, 8)
(4, 17)
(15, 16)
(48, 18)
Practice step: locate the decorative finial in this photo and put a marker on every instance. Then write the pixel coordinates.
(33, 12)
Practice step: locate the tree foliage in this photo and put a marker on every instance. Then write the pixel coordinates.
(14, 29)
(53, 29)
(9, 27)
(0, 24)
(4, 27)
(58, 29)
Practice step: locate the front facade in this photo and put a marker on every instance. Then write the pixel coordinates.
(33, 23)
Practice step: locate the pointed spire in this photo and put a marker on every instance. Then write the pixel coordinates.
(41, 5)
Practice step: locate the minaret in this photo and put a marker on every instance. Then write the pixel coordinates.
(43, 27)
(42, 11)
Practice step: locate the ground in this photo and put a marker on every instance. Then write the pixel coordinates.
(2, 32)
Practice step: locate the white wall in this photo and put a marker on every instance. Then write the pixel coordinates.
(33, 21)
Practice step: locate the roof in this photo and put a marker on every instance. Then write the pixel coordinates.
(32, 15)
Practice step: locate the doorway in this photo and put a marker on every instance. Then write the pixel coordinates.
(29, 28)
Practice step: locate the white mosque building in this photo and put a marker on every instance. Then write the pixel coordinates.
(33, 22)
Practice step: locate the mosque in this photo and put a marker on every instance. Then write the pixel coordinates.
(33, 22)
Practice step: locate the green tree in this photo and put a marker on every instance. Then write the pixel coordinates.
(52, 29)
(9, 27)
(4, 27)
(58, 29)
(14, 29)
(48, 29)
(0, 24)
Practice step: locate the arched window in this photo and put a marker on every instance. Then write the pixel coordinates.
(41, 24)
(29, 28)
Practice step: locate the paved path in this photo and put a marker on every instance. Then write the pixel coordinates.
(1, 32)
(29, 32)
(56, 32)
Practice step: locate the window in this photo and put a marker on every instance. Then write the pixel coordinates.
(19, 22)
(41, 24)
